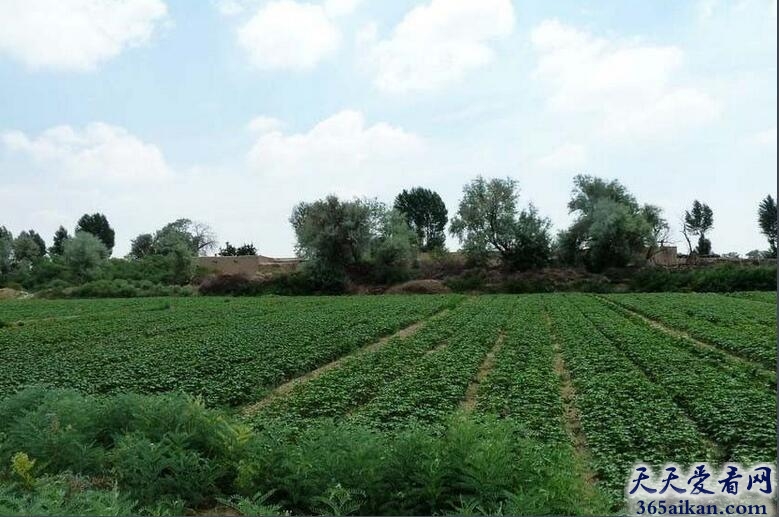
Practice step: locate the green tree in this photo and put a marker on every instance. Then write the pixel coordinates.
(199, 237)
(660, 228)
(28, 247)
(57, 244)
(610, 228)
(333, 234)
(228, 251)
(488, 220)
(83, 254)
(425, 213)
(766, 217)
(97, 225)
(142, 246)
(246, 250)
(698, 221)
(241, 251)
(394, 250)
(6, 250)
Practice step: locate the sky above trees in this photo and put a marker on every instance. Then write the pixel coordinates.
(232, 111)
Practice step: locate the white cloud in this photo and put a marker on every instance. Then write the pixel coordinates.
(75, 34)
(340, 153)
(335, 8)
(284, 34)
(567, 156)
(438, 43)
(99, 151)
(229, 7)
(264, 124)
(630, 88)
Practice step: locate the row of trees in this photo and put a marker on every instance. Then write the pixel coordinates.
(165, 256)
(611, 229)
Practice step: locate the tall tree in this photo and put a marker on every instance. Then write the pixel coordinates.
(57, 244)
(766, 217)
(660, 228)
(335, 233)
(611, 228)
(698, 221)
(142, 246)
(97, 225)
(6, 250)
(28, 246)
(426, 215)
(488, 220)
(198, 236)
(82, 254)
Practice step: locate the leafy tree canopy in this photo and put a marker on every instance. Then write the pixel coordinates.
(698, 221)
(766, 217)
(611, 228)
(425, 213)
(488, 220)
(97, 225)
(57, 245)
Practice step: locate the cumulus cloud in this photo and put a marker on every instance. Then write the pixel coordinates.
(437, 43)
(75, 34)
(629, 87)
(284, 34)
(336, 8)
(100, 151)
(341, 153)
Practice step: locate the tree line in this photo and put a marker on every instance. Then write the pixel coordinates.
(610, 229)
(380, 243)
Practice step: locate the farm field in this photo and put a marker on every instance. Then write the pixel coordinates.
(512, 403)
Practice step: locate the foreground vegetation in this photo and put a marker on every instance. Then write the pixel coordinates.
(535, 404)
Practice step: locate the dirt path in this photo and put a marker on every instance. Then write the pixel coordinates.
(571, 417)
(469, 402)
(288, 386)
(680, 334)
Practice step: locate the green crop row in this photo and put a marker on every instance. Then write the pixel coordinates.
(724, 399)
(523, 384)
(758, 296)
(358, 379)
(228, 351)
(626, 417)
(432, 387)
(743, 327)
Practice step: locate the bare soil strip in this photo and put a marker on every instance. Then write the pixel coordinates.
(571, 417)
(288, 386)
(469, 402)
(677, 333)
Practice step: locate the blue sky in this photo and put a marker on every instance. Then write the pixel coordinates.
(231, 111)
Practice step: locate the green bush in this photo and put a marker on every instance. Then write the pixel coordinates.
(723, 278)
(169, 454)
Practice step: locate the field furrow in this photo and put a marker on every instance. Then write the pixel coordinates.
(724, 399)
(742, 327)
(625, 417)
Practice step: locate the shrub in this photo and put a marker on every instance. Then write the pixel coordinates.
(724, 278)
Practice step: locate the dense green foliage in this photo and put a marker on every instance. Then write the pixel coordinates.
(163, 454)
(766, 218)
(425, 213)
(717, 279)
(489, 221)
(97, 225)
(611, 228)
(227, 350)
